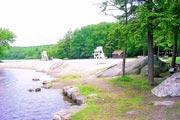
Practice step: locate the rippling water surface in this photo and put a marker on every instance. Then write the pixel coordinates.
(17, 103)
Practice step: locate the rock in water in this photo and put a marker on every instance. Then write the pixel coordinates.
(169, 87)
(35, 79)
(30, 90)
(56, 117)
(37, 89)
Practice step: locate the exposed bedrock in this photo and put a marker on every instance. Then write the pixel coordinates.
(138, 66)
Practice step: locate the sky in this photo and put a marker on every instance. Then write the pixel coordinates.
(38, 22)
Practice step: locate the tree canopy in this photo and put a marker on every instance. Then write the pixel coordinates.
(6, 37)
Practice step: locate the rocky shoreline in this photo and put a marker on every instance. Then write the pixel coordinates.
(72, 93)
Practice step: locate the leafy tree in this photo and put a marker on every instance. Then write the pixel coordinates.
(6, 37)
(125, 14)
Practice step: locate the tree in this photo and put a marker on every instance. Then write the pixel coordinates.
(175, 27)
(148, 17)
(6, 37)
(149, 5)
(125, 14)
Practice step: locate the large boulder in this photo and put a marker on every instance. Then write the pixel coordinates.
(134, 67)
(74, 94)
(159, 67)
(169, 87)
(65, 114)
(131, 67)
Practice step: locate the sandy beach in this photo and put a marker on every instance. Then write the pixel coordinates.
(58, 67)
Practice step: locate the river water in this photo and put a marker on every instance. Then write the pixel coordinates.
(17, 103)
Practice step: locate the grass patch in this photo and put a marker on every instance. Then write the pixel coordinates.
(127, 104)
(86, 113)
(92, 110)
(88, 89)
(114, 106)
(173, 113)
(137, 82)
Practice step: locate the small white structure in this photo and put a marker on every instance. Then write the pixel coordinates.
(98, 53)
(44, 56)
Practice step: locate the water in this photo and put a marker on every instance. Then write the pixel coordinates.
(17, 103)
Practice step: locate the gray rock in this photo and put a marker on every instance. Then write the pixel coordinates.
(75, 95)
(163, 103)
(30, 90)
(169, 87)
(132, 112)
(80, 100)
(134, 67)
(35, 79)
(159, 67)
(47, 86)
(65, 114)
(144, 71)
(37, 89)
(65, 89)
(56, 117)
(45, 82)
(72, 90)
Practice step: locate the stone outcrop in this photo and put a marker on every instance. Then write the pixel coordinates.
(74, 94)
(163, 103)
(65, 114)
(169, 87)
(135, 67)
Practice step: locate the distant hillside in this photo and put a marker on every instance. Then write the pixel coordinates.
(33, 52)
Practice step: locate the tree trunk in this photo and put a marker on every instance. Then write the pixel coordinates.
(174, 50)
(158, 51)
(150, 55)
(150, 44)
(124, 63)
(124, 52)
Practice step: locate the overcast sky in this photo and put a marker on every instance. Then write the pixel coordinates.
(37, 22)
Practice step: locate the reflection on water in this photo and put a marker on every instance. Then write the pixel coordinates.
(17, 103)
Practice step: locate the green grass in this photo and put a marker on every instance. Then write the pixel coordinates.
(173, 113)
(137, 82)
(127, 104)
(86, 113)
(110, 105)
(91, 108)
(87, 89)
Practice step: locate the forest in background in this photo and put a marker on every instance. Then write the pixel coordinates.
(82, 42)
(33, 52)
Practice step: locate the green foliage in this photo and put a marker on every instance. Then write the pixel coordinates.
(132, 81)
(82, 42)
(25, 52)
(6, 37)
(178, 59)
